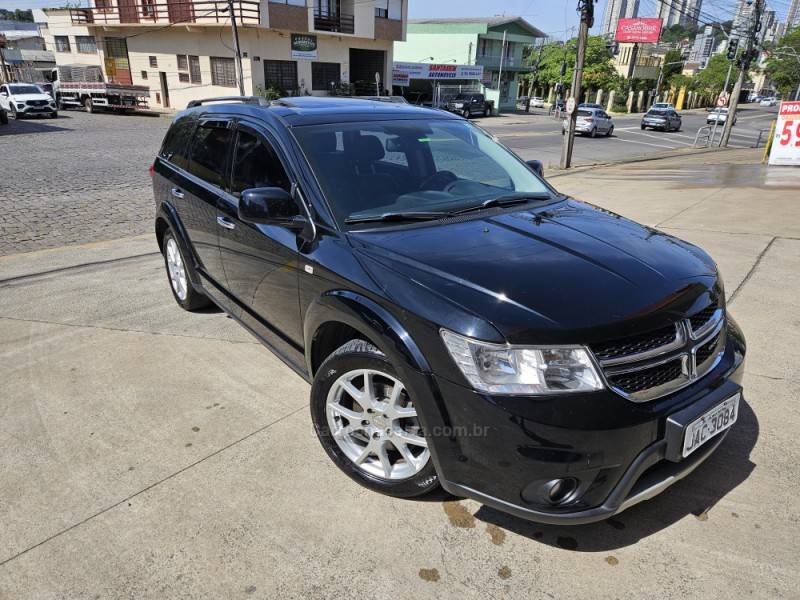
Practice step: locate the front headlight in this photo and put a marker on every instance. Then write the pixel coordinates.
(458, 104)
(504, 369)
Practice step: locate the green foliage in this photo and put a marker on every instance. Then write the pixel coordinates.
(677, 33)
(784, 69)
(270, 92)
(678, 81)
(712, 79)
(598, 72)
(675, 57)
(26, 16)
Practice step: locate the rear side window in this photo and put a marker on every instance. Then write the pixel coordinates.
(210, 146)
(175, 146)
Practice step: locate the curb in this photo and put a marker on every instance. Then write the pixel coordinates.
(558, 172)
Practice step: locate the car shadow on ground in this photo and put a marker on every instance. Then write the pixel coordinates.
(37, 125)
(695, 495)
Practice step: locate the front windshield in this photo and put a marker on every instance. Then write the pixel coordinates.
(25, 89)
(370, 169)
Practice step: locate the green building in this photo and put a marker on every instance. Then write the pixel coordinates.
(474, 41)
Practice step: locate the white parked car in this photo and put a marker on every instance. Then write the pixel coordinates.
(537, 102)
(26, 99)
(591, 121)
(768, 102)
(663, 106)
(719, 116)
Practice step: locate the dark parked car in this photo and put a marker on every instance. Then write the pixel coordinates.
(665, 119)
(470, 105)
(461, 322)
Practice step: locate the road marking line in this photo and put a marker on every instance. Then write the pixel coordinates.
(655, 137)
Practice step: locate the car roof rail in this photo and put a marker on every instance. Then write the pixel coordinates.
(257, 100)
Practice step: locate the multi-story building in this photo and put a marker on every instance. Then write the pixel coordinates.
(616, 10)
(704, 45)
(638, 61)
(496, 43)
(793, 16)
(678, 12)
(24, 55)
(182, 49)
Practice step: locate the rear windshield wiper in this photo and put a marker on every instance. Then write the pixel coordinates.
(506, 201)
(399, 216)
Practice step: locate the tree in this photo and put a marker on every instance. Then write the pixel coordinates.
(673, 63)
(598, 71)
(784, 68)
(16, 15)
(711, 80)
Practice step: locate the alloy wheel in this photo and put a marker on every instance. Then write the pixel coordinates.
(177, 272)
(374, 422)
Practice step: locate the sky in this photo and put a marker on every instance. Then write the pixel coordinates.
(551, 16)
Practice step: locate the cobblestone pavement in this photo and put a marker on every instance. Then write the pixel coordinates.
(77, 179)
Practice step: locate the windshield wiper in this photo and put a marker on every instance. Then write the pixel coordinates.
(399, 216)
(506, 201)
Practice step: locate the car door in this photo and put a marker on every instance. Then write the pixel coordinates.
(605, 121)
(198, 190)
(261, 261)
(477, 105)
(5, 96)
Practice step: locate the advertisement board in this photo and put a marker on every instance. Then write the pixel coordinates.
(304, 45)
(437, 71)
(786, 141)
(399, 78)
(643, 31)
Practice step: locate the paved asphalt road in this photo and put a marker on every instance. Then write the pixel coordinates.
(540, 136)
(83, 178)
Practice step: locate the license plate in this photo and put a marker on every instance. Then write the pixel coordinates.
(719, 418)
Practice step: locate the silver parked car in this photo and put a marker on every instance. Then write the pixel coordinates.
(592, 122)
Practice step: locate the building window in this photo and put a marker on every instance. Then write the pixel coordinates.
(483, 47)
(324, 75)
(149, 9)
(281, 73)
(86, 44)
(153, 62)
(183, 63)
(102, 5)
(382, 12)
(183, 77)
(223, 72)
(62, 43)
(194, 69)
(144, 74)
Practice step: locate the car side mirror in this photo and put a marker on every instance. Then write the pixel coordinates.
(270, 206)
(536, 166)
(3, 94)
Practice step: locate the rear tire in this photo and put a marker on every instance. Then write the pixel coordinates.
(178, 274)
(378, 449)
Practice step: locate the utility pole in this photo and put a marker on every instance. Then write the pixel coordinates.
(586, 9)
(500, 72)
(239, 71)
(749, 53)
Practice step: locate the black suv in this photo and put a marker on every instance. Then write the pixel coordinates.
(462, 323)
(470, 105)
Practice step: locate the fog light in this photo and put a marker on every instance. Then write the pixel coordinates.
(559, 490)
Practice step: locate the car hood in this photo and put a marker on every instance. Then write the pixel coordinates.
(568, 271)
(25, 97)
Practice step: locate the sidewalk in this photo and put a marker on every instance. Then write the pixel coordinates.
(153, 453)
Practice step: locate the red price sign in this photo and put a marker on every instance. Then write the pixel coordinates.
(786, 143)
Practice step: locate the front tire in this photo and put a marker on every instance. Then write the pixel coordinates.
(465, 113)
(610, 131)
(367, 423)
(54, 115)
(178, 271)
(88, 105)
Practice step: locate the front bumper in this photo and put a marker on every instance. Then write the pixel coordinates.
(499, 450)
(37, 110)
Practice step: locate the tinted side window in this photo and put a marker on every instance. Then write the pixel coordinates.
(256, 165)
(210, 152)
(175, 146)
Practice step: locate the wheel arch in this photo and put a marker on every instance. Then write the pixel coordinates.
(339, 316)
(167, 218)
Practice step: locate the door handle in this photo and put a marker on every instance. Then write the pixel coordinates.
(176, 193)
(227, 224)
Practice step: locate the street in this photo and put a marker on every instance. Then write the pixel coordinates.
(84, 176)
(153, 453)
(540, 136)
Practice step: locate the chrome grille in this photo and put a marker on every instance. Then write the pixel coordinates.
(654, 364)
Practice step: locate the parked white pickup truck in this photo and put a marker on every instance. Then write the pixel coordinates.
(77, 86)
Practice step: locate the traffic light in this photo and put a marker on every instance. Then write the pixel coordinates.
(733, 46)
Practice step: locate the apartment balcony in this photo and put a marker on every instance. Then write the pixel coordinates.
(148, 12)
(334, 22)
(388, 29)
